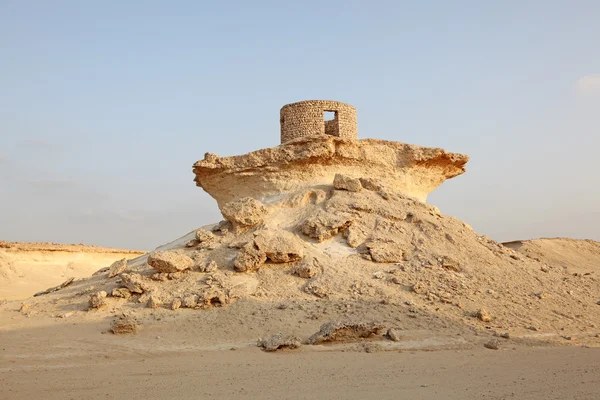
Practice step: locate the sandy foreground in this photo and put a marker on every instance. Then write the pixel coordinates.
(66, 360)
(58, 349)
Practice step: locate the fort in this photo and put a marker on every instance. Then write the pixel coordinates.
(308, 118)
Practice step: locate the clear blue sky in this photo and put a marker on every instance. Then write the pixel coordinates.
(105, 106)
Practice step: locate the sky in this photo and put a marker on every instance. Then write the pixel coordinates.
(105, 106)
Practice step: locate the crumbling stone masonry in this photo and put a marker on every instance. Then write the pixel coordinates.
(308, 118)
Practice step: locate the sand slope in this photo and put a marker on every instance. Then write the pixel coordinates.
(26, 268)
(575, 256)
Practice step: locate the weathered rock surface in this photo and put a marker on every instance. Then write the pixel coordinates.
(249, 258)
(245, 212)
(324, 225)
(279, 246)
(97, 300)
(117, 267)
(314, 161)
(124, 325)
(169, 261)
(385, 251)
(203, 235)
(337, 331)
(278, 342)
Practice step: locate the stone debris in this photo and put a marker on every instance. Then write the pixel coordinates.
(55, 288)
(249, 258)
(307, 268)
(244, 213)
(393, 334)
(279, 246)
(175, 304)
(97, 300)
(482, 315)
(344, 331)
(117, 268)
(154, 302)
(169, 261)
(492, 344)
(203, 235)
(324, 225)
(123, 293)
(343, 182)
(208, 266)
(124, 325)
(133, 282)
(278, 342)
(24, 308)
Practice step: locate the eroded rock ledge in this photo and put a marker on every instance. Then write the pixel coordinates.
(268, 174)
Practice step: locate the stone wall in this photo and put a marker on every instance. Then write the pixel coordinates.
(307, 118)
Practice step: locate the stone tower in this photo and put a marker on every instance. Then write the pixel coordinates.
(308, 118)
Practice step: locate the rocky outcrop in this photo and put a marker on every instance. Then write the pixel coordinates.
(244, 213)
(314, 161)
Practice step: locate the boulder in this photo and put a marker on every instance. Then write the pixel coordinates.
(97, 300)
(249, 258)
(245, 212)
(277, 342)
(169, 261)
(117, 268)
(279, 246)
(336, 331)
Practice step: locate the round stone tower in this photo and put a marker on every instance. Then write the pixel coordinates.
(317, 118)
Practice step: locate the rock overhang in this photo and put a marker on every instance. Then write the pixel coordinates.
(313, 161)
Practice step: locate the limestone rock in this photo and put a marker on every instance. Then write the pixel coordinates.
(208, 266)
(336, 331)
(154, 302)
(306, 269)
(124, 325)
(97, 300)
(343, 182)
(117, 267)
(169, 261)
(311, 162)
(482, 315)
(175, 304)
(244, 212)
(393, 334)
(279, 246)
(249, 258)
(133, 282)
(203, 235)
(324, 225)
(277, 342)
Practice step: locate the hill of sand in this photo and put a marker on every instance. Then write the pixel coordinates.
(27, 268)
